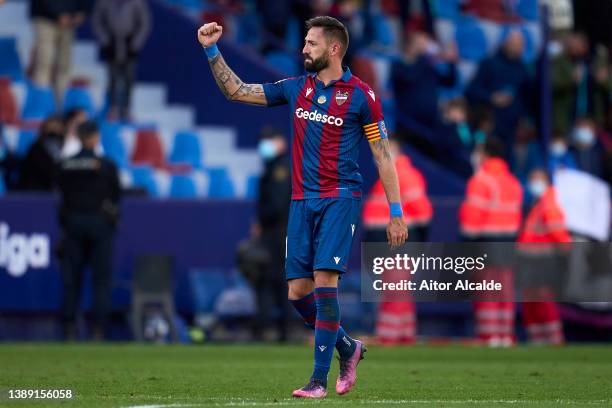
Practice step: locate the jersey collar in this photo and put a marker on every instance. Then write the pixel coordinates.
(344, 78)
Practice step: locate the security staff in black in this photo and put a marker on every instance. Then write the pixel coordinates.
(272, 214)
(90, 193)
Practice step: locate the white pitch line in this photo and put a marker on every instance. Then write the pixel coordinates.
(236, 402)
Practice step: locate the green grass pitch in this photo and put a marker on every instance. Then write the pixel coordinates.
(116, 375)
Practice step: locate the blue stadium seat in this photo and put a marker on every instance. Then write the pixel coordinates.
(446, 8)
(471, 39)
(182, 186)
(78, 97)
(221, 185)
(248, 29)
(144, 177)
(383, 34)
(112, 144)
(9, 59)
(252, 189)
(283, 62)
(26, 138)
(2, 186)
(528, 9)
(39, 104)
(186, 149)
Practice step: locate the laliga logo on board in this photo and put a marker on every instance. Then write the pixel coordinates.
(18, 251)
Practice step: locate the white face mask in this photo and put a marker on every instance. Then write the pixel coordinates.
(584, 136)
(267, 149)
(558, 149)
(537, 188)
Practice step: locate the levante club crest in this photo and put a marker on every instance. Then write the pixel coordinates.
(341, 97)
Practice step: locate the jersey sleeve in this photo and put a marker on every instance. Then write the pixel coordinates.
(279, 92)
(371, 117)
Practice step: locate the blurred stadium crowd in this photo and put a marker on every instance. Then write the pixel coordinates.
(451, 74)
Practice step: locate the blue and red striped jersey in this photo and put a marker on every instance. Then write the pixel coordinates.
(328, 123)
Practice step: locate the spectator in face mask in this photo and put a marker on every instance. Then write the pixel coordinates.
(72, 119)
(559, 156)
(272, 214)
(38, 168)
(586, 147)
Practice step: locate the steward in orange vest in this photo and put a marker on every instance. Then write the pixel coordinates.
(415, 203)
(545, 229)
(491, 212)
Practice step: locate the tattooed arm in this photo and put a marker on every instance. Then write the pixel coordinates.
(232, 87)
(397, 231)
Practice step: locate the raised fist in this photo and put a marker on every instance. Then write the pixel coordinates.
(209, 34)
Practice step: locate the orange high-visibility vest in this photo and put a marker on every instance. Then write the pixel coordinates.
(492, 205)
(546, 221)
(413, 191)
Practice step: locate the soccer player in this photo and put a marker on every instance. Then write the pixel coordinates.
(332, 110)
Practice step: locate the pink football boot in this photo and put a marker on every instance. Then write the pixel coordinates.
(314, 389)
(348, 369)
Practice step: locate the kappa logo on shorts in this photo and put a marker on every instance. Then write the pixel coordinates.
(337, 259)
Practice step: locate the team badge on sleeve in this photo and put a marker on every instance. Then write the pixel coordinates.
(341, 97)
(375, 131)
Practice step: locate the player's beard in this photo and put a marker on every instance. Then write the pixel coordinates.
(316, 65)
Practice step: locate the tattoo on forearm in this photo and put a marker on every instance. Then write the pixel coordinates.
(382, 151)
(232, 87)
(252, 90)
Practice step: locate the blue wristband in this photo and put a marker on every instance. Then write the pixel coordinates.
(212, 51)
(396, 210)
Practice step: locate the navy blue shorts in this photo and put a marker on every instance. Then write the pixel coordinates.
(319, 235)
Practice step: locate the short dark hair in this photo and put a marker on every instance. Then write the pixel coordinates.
(87, 129)
(493, 147)
(332, 28)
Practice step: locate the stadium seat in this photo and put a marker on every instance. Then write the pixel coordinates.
(8, 104)
(182, 186)
(39, 104)
(148, 149)
(144, 177)
(186, 149)
(9, 59)
(248, 30)
(221, 185)
(528, 10)
(385, 31)
(471, 40)
(78, 97)
(283, 62)
(252, 190)
(25, 139)
(113, 145)
(446, 8)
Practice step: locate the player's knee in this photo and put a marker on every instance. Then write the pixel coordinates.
(326, 279)
(299, 288)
